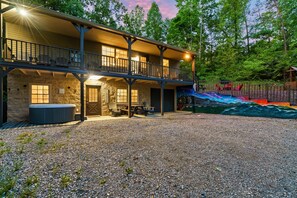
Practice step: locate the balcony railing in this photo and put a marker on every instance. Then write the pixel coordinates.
(33, 53)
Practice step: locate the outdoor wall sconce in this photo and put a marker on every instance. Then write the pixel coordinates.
(24, 86)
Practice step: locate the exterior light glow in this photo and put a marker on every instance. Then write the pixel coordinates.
(23, 12)
(94, 77)
(187, 56)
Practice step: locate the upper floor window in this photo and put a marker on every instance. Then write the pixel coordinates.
(108, 51)
(40, 94)
(165, 62)
(121, 54)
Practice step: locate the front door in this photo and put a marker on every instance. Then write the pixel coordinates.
(93, 100)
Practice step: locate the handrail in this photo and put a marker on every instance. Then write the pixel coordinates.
(34, 53)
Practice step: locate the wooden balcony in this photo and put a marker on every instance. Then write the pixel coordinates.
(42, 55)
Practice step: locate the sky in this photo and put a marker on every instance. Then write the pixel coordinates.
(167, 7)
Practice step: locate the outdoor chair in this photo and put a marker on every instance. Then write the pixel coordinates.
(62, 61)
(218, 87)
(238, 88)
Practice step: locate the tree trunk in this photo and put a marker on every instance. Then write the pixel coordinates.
(247, 34)
(280, 16)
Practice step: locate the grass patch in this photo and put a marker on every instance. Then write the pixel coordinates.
(122, 163)
(30, 187)
(41, 143)
(65, 180)
(25, 138)
(42, 133)
(54, 148)
(3, 148)
(20, 149)
(78, 172)
(7, 181)
(17, 165)
(129, 171)
(102, 181)
(56, 168)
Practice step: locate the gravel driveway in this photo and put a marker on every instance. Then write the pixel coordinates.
(179, 155)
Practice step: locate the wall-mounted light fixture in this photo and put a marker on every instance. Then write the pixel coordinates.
(22, 12)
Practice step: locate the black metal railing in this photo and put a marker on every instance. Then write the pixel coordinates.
(34, 53)
(39, 54)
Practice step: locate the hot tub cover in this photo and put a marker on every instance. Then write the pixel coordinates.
(51, 106)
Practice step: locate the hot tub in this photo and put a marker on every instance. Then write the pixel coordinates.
(51, 113)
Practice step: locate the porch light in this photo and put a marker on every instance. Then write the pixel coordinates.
(94, 77)
(187, 56)
(23, 12)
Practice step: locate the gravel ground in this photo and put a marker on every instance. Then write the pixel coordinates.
(179, 155)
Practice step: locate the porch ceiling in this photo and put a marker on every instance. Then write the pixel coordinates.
(46, 20)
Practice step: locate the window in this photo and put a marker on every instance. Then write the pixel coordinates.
(40, 94)
(165, 62)
(121, 54)
(134, 96)
(122, 96)
(108, 54)
(143, 59)
(108, 51)
(166, 68)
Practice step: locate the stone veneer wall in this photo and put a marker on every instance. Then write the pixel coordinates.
(19, 92)
(19, 88)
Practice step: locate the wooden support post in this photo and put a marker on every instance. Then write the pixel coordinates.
(162, 50)
(130, 42)
(130, 82)
(82, 78)
(162, 85)
(82, 100)
(193, 104)
(82, 30)
(1, 96)
(2, 75)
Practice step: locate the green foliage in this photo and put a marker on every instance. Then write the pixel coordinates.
(154, 23)
(41, 143)
(71, 7)
(129, 170)
(134, 21)
(25, 137)
(65, 180)
(110, 13)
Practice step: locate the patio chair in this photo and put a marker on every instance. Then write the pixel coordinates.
(238, 88)
(218, 87)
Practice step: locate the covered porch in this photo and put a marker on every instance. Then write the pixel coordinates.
(93, 95)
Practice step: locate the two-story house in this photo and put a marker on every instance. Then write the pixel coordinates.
(53, 58)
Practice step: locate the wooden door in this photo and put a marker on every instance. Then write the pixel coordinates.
(93, 100)
(168, 99)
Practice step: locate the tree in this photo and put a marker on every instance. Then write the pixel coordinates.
(154, 23)
(110, 13)
(134, 21)
(71, 7)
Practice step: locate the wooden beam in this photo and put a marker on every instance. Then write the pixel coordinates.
(24, 72)
(38, 72)
(66, 75)
(53, 73)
